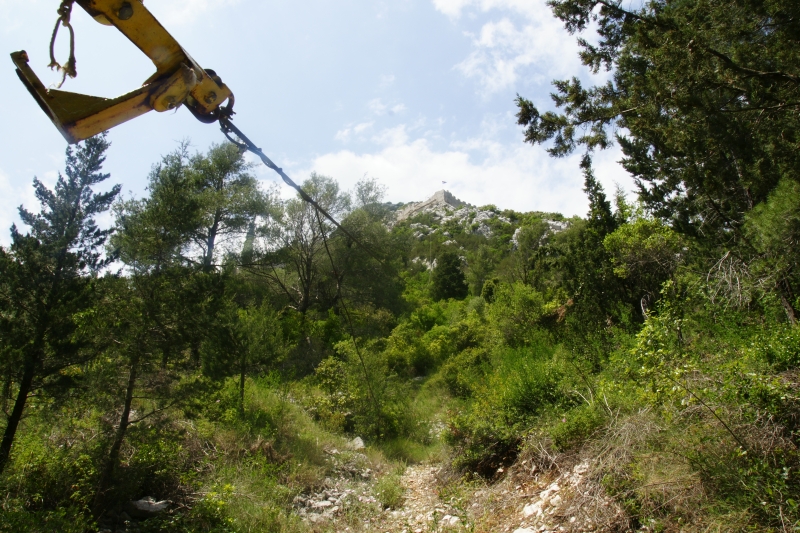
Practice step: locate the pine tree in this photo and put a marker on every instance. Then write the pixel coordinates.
(448, 278)
(590, 279)
(48, 276)
(244, 341)
(702, 99)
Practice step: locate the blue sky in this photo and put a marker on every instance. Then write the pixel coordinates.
(410, 92)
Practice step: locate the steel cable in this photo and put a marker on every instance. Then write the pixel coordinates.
(246, 144)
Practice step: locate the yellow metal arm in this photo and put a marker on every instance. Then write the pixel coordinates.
(178, 79)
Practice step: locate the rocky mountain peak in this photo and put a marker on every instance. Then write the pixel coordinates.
(442, 208)
(440, 199)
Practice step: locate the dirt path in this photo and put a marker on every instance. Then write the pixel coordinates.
(564, 498)
(423, 510)
(524, 501)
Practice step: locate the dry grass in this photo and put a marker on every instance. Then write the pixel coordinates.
(595, 480)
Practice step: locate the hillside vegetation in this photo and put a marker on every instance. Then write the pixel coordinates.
(229, 353)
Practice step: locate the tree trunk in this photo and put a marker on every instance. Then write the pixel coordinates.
(242, 373)
(211, 242)
(119, 437)
(166, 355)
(787, 295)
(25, 387)
(194, 352)
(6, 391)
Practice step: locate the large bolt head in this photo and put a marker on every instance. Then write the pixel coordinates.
(125, 11)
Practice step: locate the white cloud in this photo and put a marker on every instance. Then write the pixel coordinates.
(364, 126)
(525, 42)
(346, 134)
(479, 171)
(453, 8)
(387, 80)
(378, 108)
(396, 136)
(11, 197)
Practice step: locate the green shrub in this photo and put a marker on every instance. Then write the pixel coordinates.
(528, 387)
(483, 443)
(438, 345)
(489, 289)
(761, 482)
(516, 313)
(525, 381)
(780, 348)
(155, 467)
(46, 475)
(508, 393)
(576, 426)
(427, 316)
(333, 408)
(476, 305)
(389, 491)
(362, 383)
(405, 350)
(463, 374)
(65, 520)
(211, 513)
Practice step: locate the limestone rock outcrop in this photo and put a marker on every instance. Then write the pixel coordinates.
(435, 204)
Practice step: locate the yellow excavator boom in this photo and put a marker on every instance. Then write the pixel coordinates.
(178, 79)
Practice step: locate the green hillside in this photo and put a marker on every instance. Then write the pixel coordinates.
(237, 357)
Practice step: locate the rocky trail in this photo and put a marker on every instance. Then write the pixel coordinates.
(423, 509)
(430, 498)
(524, 500)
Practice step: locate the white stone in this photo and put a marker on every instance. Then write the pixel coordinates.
(524, 530)
(438, 202)
(532, 509)
(357, 444)
(146, 507)
(581, 468)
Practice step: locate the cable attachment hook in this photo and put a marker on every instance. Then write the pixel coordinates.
(225, 126)
(69, 68)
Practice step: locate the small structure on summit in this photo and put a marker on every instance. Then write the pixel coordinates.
(439, 201)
